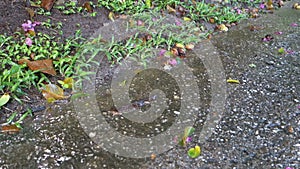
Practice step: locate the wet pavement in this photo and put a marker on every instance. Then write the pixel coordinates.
(260, 127)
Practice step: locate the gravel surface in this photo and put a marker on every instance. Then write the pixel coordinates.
(260, 127)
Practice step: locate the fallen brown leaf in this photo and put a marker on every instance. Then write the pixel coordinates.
(47, 4)
(87, 6)
(45, 66)
(10, 129)
(30, 12)
(170, 9)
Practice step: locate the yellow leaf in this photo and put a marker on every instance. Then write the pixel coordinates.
(66, 83)
(233, 81)
(296, 6)
(4, 99)
(170, 9)
(111, 16)
(179, 45)
(186, 19)
(52, 92)
(189, 46)
(224, 28)
(194, 152)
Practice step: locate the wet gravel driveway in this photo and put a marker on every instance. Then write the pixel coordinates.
(260, 127)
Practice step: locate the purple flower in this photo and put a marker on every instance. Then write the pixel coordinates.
(298, 106)
(29, 26)
(267, 38)
(154, 19)
(278, 33)
(140, 23)
(294, 24)
(162, 52)
(262, 6)
(289, 168)
(173, 62)
(177, 22)
(239, 11)
(290, 52)
(28, 41)
(188, 139)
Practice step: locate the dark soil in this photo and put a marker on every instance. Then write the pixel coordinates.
(13, 14)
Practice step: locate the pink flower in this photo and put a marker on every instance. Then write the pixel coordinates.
(154, 19)
(262, 6)
(294, 24)
(267, 38)
(177, 22)
(29, 26)
(289, 168)
(173, 62)
(278, 33)
(238, 11)
(162, 52)
(28, 41)
(140, 23)
(290, 52)
(188, 139)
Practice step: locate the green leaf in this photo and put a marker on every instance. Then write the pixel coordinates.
(194, 152)
(4, 99)
(281, 50)
(187, 132)
(252, 65)
(148, 3)
(11, 117)
(28, 112)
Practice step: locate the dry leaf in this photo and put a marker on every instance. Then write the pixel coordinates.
(269, 5)
(189, 46)
(174, 51)
(222, 27)
(31, 32)
(179, 45)
(30, 12)
(52, 92)
(47, 4)
(45, 66)
(87, 6)
(122, 16)
(296, 6)
(10, 129)
(153, 156)
(111, 16)
(255, 28)
(132, 22)
(170, 9)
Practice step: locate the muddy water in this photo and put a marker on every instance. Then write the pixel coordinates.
(260, 127)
